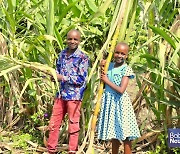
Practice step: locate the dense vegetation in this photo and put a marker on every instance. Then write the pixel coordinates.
(33, 32)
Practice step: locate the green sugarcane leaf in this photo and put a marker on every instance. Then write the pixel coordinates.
(164, 35)
(92, 5)
(50, 18)
(16, 67)
(26, 85)
(102, 9)
(166, 102)
(65, 12)
(149, 57)
(59, 38)
(175, 55)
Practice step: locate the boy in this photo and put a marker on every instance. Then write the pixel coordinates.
(72, 70)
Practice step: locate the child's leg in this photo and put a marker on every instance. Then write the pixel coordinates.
(58, 113)
(115, 146)
(127, 147)
(73, 110)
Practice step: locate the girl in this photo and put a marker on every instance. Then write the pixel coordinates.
(117, 120)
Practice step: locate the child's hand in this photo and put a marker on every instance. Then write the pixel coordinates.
(59, 77)
(102, 63)
(104, 77)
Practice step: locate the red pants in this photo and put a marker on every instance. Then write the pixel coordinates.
(60, 108)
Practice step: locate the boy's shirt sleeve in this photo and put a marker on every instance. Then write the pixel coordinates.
(58, 64)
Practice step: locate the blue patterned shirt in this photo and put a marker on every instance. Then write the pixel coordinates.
(74, 69)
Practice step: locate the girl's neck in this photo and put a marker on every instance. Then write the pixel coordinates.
(118, 64)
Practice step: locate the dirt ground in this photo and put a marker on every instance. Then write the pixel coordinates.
(132, 89)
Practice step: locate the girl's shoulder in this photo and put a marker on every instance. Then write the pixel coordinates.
(129, 72)
(111, 66)
(128, 67)
(124, 70)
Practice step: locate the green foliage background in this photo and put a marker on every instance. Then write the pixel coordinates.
(33, 32)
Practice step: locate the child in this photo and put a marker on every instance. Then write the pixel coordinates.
(117, 120)
(72, 70)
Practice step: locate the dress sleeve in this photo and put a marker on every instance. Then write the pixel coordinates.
(129, 72)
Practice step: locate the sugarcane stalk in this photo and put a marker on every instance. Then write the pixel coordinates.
(100, 92)
(110, 34)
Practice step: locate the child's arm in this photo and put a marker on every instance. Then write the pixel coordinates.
(80, 76)
(76, 79)
(58, 64)
(121, 88)
(59, 77)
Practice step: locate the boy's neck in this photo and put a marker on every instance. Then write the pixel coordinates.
(70, 51)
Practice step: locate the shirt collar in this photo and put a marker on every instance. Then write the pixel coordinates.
(75, 54)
